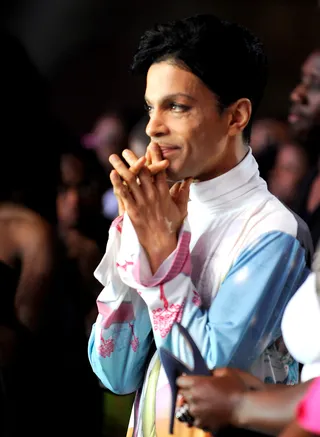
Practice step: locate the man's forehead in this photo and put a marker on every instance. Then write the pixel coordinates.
(171, 96)
(165, 79)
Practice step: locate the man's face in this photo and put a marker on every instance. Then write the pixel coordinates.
(185, 122)
(289, 169)
(304, 114)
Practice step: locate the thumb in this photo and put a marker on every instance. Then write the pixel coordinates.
(121, 208)
(148, 157)
(182, 197)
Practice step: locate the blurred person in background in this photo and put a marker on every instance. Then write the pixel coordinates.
(304, 120)
(82, 228)
(138, 138)
(27, 262)
(266, 136)
(291, 166)
(82, 233)
(109, 135)
(267, 132)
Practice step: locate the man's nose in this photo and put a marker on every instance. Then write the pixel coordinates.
(156, 126)
(299, 94)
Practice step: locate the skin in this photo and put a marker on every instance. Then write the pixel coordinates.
(232, 397)
(78, 196)
(290, 167)
(27, 238)
(187, 129)
(294, 430)
(304, 114)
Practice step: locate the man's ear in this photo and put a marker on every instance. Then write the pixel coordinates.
(240, 113)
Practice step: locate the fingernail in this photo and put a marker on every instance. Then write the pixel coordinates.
(113, 158)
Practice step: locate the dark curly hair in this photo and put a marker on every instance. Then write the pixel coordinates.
(226, 56)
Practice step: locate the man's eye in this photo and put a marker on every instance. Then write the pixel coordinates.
(147, 108)
(178, 107)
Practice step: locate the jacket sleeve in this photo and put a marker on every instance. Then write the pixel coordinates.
(120, 340)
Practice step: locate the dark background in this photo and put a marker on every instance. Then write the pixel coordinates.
(83, 48)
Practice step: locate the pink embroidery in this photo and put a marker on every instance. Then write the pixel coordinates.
(117, 223)
(106, 347)
(135, 340)
(124, 266)
(164, 318)
(196, 298)
(180, 314)
(124, 313)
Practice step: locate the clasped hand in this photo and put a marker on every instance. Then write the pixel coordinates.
(155, 211)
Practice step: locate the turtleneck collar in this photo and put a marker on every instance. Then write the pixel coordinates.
(237, 181)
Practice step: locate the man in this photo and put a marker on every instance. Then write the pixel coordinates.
(221, 263)
(304, 119)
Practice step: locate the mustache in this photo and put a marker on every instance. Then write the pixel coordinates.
(296, 110)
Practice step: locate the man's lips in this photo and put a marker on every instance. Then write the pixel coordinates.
(168, 149)
(295, 116)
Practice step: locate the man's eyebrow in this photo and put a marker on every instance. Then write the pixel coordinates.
(173, 96)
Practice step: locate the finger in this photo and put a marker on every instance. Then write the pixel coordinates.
(221, 372)
(136, 163)
(146, 183)
(182, 198)
(128, 177)
(180, 400)
(155, 152)
(185, 382)
(162, 184)
(155, 161)
(188, 396)
(120, 190)
(131, 158)
(157, 167)
(121, 208)
(148, 156)
(174, 190)
(138, 166)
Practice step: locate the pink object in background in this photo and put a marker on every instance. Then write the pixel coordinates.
(308, 413)
(90, 141)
